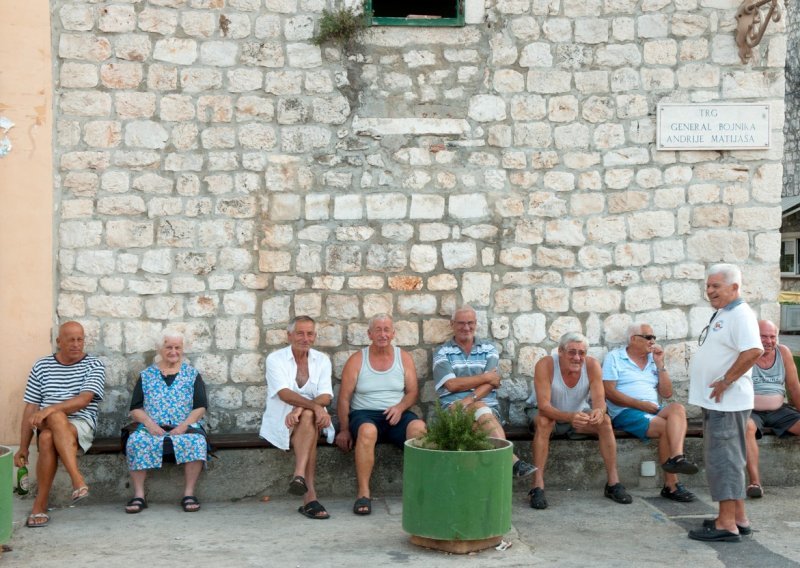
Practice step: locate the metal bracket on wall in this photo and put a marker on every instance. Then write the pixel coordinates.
(751, 25)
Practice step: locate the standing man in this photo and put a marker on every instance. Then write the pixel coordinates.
(634, 377)
(379, 385)
(774, 374)
(568, 393)
(298, 390)
(465, 372)
(61, 401)
(719, 382)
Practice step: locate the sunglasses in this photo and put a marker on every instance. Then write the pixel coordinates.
(647, 337)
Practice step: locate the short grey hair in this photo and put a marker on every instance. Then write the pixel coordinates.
(572, 337)
(633, 329)
(462, 308)
(167, 333)
(730, 272)
(293, 324)
(378, 317)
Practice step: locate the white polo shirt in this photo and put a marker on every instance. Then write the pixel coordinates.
(282, 374)
(731, 332)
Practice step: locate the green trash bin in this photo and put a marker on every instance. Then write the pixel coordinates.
(6, 491)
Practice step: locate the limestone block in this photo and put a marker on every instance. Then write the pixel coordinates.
(537, 54)
(247, 368)
(651, 224)
(681, 293)
(641, 298)
(275, 310)
(436, 331)
(214, 368)
(552, 299)
(487, 108)
(572, 136)
(357, 233)
(527, 359)
(376, 304)
(757, 218)
(121, 75)
(199, 24)
(433, 232)
(518, 257)
(386, 206)
(405, 283)
(274, 261)
(606, 229)
(442, 282)
(309, 259)
(416, 304)
(549, 82)
(568, 232)
(459, 255)
(85, 103)
(343, 258)
(596, 300)
(397, 231)
(225, 397)
(766, 183)
(218, 53)
(184, 284)
(197, 79)
(159, 21)
(559, 181)
(204, 305)
(95, 262)
(164, 307)
(555, 257)
(652, 25)
(239, 303)
(77, 18)
(632, 254)
(591, 30)
(468, 206)
(718, 245)
(175, 50)
(511, 300)
(631, 106)
(583, 278)
(668, 251)
(767, 246)
(391, 258)
(114, 306)
(594, 257)
(145, 134)
(78, 75)
(361, 283)
(83, 47)
(557, 29)
(528, 107)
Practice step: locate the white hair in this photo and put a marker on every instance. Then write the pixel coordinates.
(730, 273)
(167, 333)
(462, 308)
(572, 337)
(633, 329)
(378, 317)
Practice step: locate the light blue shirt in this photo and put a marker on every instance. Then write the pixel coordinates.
(641, 384)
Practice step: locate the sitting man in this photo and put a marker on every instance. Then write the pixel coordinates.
(568, 392)
(379, 385)
(298, 390)
(773, 375)
(465, 371)
(61, 401)
(634, 377)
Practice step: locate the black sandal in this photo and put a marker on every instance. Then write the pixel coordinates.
(135, 505)
(190, 504)
(298, 486)
(314, 510)
(362, 506)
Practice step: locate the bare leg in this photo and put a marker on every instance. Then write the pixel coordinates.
(675, 415)
(310, 473)
(752, 454)
(65, 440)
(489, 423)
(415, 429)
(729, 510)
(191, 472)
(304, 436)
(608, 449)
(46, 466)
(137, 478)
(365, 457)
(670, 479)
(540, 448)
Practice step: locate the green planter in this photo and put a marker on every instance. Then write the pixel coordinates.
(457, 501)
(6, 490)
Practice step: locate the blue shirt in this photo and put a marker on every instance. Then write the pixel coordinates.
(450, 362)
(641, 384)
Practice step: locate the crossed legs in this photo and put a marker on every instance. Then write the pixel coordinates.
(304, 444)
(669, 426)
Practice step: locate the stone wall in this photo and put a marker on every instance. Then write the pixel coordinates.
(218, 172)
(791, 130)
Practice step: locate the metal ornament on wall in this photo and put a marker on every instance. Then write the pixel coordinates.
(751, 25)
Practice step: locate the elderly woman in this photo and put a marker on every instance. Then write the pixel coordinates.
(168, 403)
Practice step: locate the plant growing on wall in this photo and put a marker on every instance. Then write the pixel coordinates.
(341, 26)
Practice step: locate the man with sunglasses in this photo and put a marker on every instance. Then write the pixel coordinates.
(720, 382)
(568, 399)
(634, 377)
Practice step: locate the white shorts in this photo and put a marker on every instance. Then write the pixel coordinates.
(85, 433)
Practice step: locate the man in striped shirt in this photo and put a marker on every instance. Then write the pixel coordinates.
(61, 401)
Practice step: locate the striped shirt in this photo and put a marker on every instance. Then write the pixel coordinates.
(450, 362)
(50, 382)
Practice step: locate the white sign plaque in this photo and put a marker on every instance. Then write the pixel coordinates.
(713, 126)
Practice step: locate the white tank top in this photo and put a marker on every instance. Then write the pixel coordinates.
(565, 399)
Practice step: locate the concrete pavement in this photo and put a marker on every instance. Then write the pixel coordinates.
(580, 529)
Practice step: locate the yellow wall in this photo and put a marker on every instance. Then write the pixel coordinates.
(26, 194)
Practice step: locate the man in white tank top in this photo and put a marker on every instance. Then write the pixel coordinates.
(568, 392)
(774, 374)
(379, 385)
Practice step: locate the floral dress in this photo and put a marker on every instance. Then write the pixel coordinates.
(166, 405)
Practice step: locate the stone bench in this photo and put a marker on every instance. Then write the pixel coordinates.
(248, 467)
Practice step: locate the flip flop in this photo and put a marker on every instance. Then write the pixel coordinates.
(362, 506)
(135, 505)
(190, 504)
(314, 510)
(31, 520)
(79, 494)
(298, 486)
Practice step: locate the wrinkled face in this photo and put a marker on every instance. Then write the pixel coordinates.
(719, 293)
(303, 336)
(172, 350)
(644, 341)
(381, 332)
(70, 342)
(573, 356)
(464, 323)
(769, 336)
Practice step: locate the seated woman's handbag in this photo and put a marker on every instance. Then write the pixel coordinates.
(169, 451)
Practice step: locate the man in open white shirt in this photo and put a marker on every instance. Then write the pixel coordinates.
(720, 383)
(298, 390)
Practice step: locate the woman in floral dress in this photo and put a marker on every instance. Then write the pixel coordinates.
(168, 403)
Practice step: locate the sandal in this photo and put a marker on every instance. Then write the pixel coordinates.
(362, 506)
(33, 518)
(298, 486)
(79, 494)
(314, 510)
(135, 505)
(755, 491)
(190, 504)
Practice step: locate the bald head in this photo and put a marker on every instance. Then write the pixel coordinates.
(70, 342)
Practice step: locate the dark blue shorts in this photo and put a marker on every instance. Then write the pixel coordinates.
(386, 432)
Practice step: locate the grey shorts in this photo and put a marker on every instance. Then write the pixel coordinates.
(724, 435)
(85, 433)
(560, 429)
(779, 420)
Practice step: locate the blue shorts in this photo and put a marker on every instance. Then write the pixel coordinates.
(634, 421)
(386, 432)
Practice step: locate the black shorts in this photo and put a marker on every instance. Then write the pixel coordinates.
(386, 432)
(779, 420)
